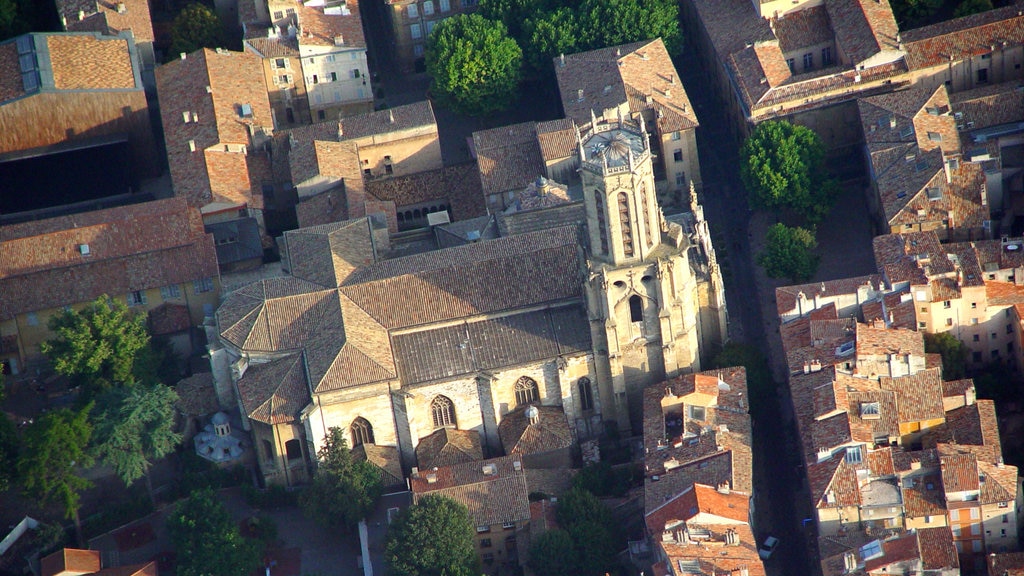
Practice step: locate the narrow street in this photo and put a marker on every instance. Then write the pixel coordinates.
(781, 500)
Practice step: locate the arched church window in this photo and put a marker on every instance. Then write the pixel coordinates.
(601, 228)
(362, 432)
(625, 224)
(293, 449)
(636, 309)
(586, 393)
(647, 215)
(526, 391)
(443, 411)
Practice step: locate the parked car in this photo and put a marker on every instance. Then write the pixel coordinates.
(768, 548)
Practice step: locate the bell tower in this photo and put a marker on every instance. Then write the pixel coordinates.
(623, 217)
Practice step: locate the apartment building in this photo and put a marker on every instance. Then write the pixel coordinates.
(216, 118)
(412, 21)
(920, 179)
(150, 256)
(697, 467)
(495, 493)
(282, 72)
(889, 446)
(809, 60)
(637, 80)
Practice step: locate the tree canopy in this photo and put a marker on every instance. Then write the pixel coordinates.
(474, 65)
(553, 553)
(788, 253)
(954, 354)
(760, 385)
(53, 447)
(591, 528)
(968, 7)
(195, 27)
(344, 490)
(782, 166)
(9, 443)
(134, 427)
(96, 347)
(433, 537)
(207, 541)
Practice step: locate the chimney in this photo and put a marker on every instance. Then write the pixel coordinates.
(533, 415)
(391, 116)
(121, 8)
(64, 22)
(339, 40)
(815, 366)
(723, 488)
(561, 60)
(431, 478)
(970, 396)
(415, 472)
(183, 56)
(81, 15)
(807, 367)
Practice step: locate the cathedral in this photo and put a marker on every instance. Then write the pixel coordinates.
(443, 347)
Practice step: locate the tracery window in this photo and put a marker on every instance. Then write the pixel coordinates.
(443, 411)
(526, 391)
(362, 432)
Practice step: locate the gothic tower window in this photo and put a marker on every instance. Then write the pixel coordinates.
(526, 391)
(625, 224)
(443, 411)
(647, 215)
(362, 432)
(602, 229)
(293, 449)
(586, 393)
(636, 309)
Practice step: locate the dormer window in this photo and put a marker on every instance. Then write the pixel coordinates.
(870, 410)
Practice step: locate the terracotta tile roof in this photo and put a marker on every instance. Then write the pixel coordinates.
(225, 95)
(458, 184)
(520, 436)
(974, 425)
(991, 105)
(802, 28)
(11, 84)
(880, 340)
(904, 461)
(937, 549)
(959, 472)
(1003, 293)
(894, 551)
(918, 396)
(993, 256)
(70, 560)
(273, 315)
(923, 496)
(557, 139)
(1000, 483)
(109, 17)
(492, 498)
(467, 280)
(786, 296)
(349, 349)
(1006, 564)
(640, 74)
(903, 257)
(196, 396)
(90, 62)
(833, 482)
(275, 392)
(136, 247)
(880, 463)
(386, 459)
(328, 253)
(169, 318)
(699, 502)
(447, 447)
(277, 47)
(316, 28)
(863, 27)
(406, 117)
(509, 157)
(961, 38)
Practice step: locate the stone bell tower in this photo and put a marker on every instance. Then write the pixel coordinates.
(642, 295)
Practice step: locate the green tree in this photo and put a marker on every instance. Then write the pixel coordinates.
(134, 427)
(473, 64)
(612, 22)
(344, 490)
(782, 165)
(512, 13)
(548, 35)
(97, 346)
(195, 27)
(968, 7)
(434, 537)
(53, 448)
(590, 525)
(553, 553)
(954, 354)
(8, 452)
(207, 541)
(788, 253)
(912, 13)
